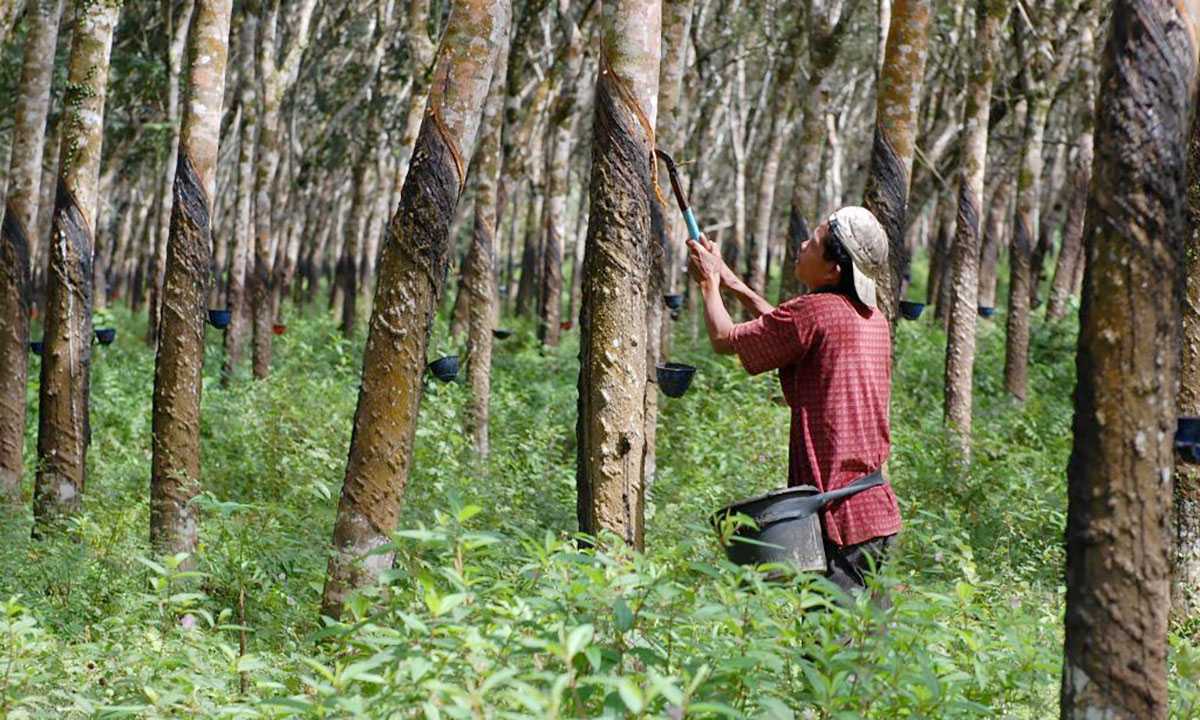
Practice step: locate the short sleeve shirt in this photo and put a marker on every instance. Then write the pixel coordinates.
(834, 362)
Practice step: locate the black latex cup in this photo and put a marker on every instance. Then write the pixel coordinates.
(986, 312)
(105, 336)
(36, 347)
(911, 310)
(501, 333)
(1187, 437)
(673, 301)
(219, 318)
(445, 368)
(674, 378)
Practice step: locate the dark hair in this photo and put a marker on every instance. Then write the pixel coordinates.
(836, 253)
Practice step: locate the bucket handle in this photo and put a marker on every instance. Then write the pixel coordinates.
(805, 506)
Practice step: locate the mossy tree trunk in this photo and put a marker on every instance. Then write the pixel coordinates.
(1128, 364)
(899, 98)
(19, 222)
(412, 276)
(964, 253)
(175, 468)
(63, 396)
(612, 373)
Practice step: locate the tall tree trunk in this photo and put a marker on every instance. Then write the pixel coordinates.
(10, 12)
(995, 236)
(1025, 229)
(1119, 475)
(1185, 560)
(899, 95)
(275, 79)
(1071, 254)
(175, 468)
(612, 373)
(561, 121)
(421, 51)
(964, 255)
(412, 272)
(19, 221)
(178, 25)
(354, 230)
(63, 429)
(39, 245)
(235, 295)
(479, 277)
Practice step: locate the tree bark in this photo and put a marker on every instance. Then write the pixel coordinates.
(19, 221)
(994, 237)
(178, 367)
(178, 28)
(612, 373)
(412, 272)
(235, 295)
(1119, 475)
(898, 101)
(63, 429)
(964, 255)
(1071, 254)
(479, 278)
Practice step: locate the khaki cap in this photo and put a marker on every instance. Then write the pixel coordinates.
(866, 243)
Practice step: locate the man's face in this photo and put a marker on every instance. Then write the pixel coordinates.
(812, 268)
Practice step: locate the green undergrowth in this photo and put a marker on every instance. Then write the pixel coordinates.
(493, 609)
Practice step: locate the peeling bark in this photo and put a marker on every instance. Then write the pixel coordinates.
(412, 275)
(63, 430)
(1119, 474)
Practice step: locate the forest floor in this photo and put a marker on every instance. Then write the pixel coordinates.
(492, 610)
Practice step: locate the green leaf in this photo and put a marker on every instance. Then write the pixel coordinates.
(622, 616)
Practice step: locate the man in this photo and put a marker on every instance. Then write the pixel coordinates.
(832, 348)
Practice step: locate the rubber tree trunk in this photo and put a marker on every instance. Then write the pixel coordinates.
(899, 98)
(1025, 229)
(235, 295)
(275, 79)
(178, 368)
(19, 221)
(178, 25)
(63, 429)
(1071, 253)
(1128, 363)
(412, 273)
(1185, 560)
(561, 120)
(10, 12)
(479, 278)
(612, 374)
(964, 254)
(677, 23)
(994, 237)
(826, 33)
(39, 245)
(355, 230)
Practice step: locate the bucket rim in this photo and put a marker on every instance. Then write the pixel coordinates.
(733, 507)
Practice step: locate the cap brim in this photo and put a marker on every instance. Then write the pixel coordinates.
(864, 287)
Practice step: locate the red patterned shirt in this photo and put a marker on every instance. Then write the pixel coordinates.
(834, 362)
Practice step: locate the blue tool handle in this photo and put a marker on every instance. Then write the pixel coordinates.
(693, 228)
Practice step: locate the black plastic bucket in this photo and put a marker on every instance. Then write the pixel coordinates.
(219, 318)
(986, 312)
(501, 333)
(105, 336)
(674, 378)
(781, 536)
(445, 368)
(36, 347)
(1187, 437)
(674, 301)
(911, 310)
